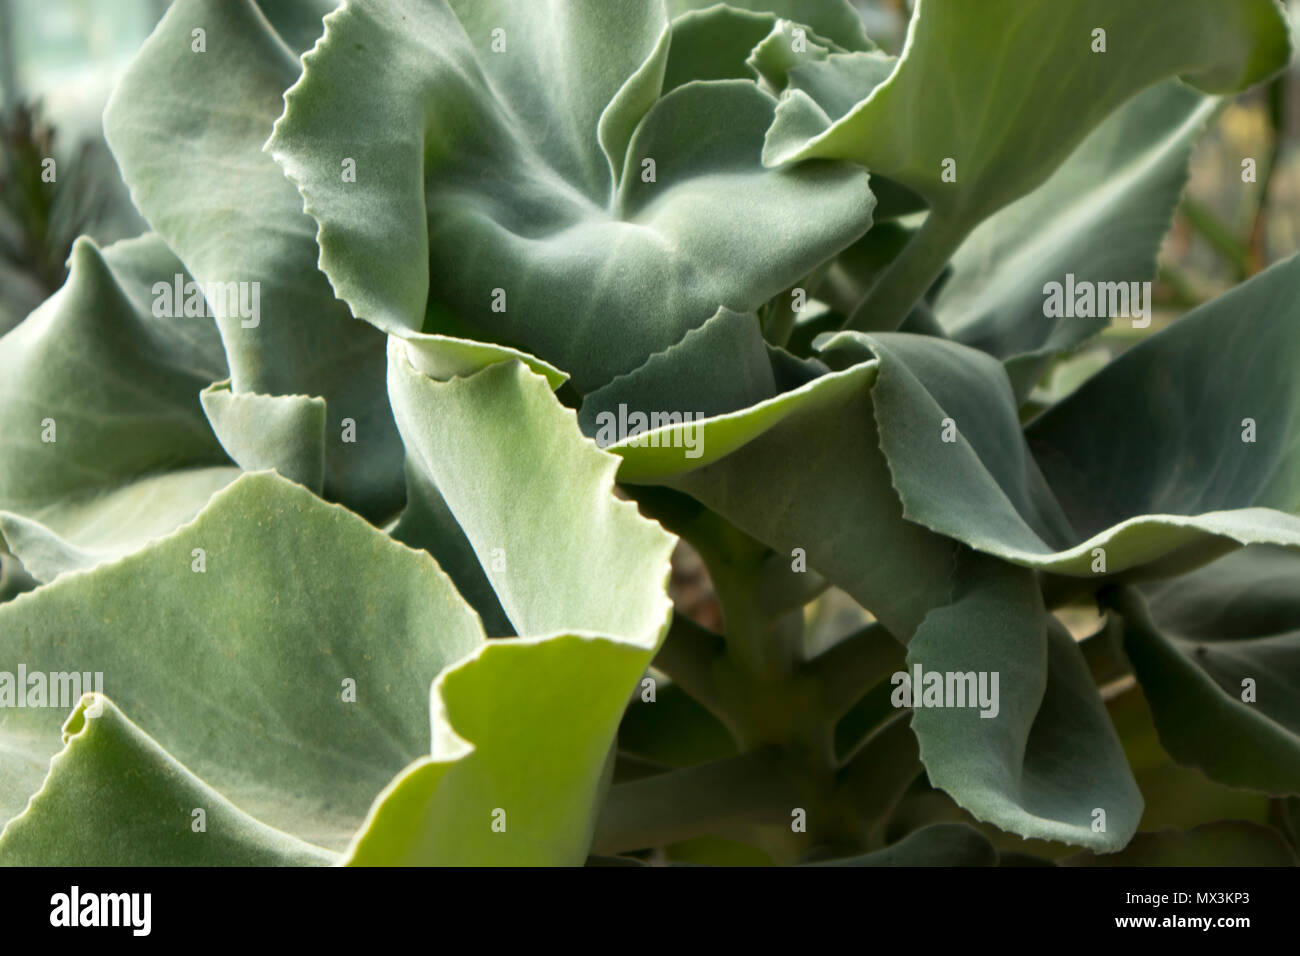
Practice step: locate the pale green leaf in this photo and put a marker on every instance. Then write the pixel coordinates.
(682, 378)
(1163, 429)
(77, 534)
(458, 208)
(239, 669)
(426, 522)
(985, 489)
(1012, 87)
(96, 456)
(587, 48)
(263, 432)
(1216, 652)
(714, 44)
(834, 19)
(1047, 758)
(1100, 217)
(111, 772)
(834, 502)
(231, 217)
(579, 573)
(1020, 87)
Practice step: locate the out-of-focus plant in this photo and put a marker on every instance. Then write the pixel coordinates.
(47, 199)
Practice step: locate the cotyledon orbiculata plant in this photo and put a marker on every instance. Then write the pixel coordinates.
(328, 478)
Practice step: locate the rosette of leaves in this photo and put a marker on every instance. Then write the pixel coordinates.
(363, 585)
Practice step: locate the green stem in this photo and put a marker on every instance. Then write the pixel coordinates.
(779, 321)
(852, 667)
(737, 563)
(1104, 653)
(878, 776)
(760, 686)
(902, 285)
(655, 811)
(690, 655)
(1219, 235)
(922, 321)
(781, 591)
(1258, 241)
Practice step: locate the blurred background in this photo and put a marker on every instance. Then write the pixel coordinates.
(59, 60)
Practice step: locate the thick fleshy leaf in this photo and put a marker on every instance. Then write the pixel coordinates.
(1013, 87)
(263, 432)
(79, 534)
(587, 48)
(456, 205)
(97, 456)
(1176, 796)
(827, 88)
(14, 579)
(111, 770)
(426, 522)
(298, 22)
(924, 382)
(714, 43)
(1217, 652)
(579, 573)
(509, 402)
(849, 513)
(443, 357)
(821, 85)
(1100, 217)
(772, 59)
(981, 486)
(837, 507)
(223, 103)
(1047, 758)
(643, 416)
(834, 19)
(517, 785)
(729, 42)
(298, 700)
(681, 379)
(1199, 419)
(664, 452)
(1002, 61)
